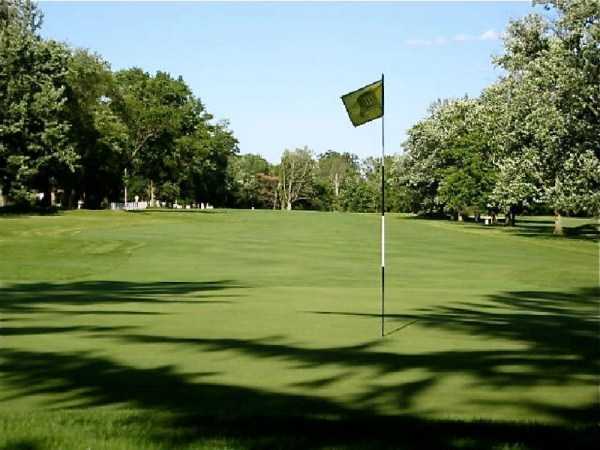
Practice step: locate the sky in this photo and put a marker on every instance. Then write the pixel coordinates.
(276, 71)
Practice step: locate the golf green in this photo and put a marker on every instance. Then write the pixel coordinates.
(106, 315)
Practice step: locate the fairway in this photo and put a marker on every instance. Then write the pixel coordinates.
(265, 313)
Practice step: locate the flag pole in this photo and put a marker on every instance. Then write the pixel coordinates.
(382, 205)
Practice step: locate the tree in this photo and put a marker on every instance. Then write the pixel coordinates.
(468, 177)
(398, 196)
(447, 163)
(296, 173)
(155, 110)
(545, 110)
(204, 171)
(97, 134)
(246, 185)
(170, 138)
(34, 132)
(333, 169)
(355, 195)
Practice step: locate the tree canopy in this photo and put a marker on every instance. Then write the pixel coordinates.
(73, 129)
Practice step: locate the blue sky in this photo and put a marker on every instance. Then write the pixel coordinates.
(276, 70)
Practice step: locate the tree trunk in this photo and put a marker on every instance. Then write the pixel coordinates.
(151, 194)
(558, 228)
(125, 183)
(336, 186)
(289, 206)
(69, 198)
(47, 199)
(511, 216)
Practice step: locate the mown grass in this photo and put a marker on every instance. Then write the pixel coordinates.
(260, 329)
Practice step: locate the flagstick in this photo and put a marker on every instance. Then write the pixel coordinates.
(382, 206)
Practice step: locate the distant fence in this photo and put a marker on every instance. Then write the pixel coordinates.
(129, 206)
(133, 206)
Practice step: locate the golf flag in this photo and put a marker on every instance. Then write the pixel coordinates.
(365, 104)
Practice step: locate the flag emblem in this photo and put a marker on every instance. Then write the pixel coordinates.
(365, 104)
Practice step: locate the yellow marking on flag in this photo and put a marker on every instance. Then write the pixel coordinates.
(364, 104)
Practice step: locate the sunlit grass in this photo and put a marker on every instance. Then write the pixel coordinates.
(201, 323)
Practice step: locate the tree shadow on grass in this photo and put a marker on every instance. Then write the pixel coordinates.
(537, 229)
(559, 346)
(17, 211)
(183, 410)
(23, 444)
(26, 331)
(559, 331)
(541, 229)
(41, 297)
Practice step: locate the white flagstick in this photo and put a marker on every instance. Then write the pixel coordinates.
(382, 206)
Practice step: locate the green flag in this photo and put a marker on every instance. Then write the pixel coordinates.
(365, 104)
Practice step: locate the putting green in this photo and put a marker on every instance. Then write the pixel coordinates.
(274, 313)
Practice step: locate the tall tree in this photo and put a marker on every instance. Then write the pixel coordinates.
(545, 110)
(97, 134)
(205, 175)
(246, 183)
(468, 176)
(156, 110)
(333, 169)
(296, 173)
(34, 131)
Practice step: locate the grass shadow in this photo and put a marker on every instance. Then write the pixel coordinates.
(558, 332)
(41, 297)
(543, 229)
(183, 410)
(24, 211)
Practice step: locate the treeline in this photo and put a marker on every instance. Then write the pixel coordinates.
(331, 181)
(529, 142)
(71, 129)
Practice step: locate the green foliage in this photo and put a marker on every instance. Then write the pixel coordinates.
(333, 169)
(67, 123)
(468, 177)
(530, 139)
(246, 185)
(34, 132)
(296, 176)
(550, 123)
(169, 136)
(356, 196)
(98, 135)
(448, 164)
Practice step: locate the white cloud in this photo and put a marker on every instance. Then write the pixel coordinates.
(489, 35)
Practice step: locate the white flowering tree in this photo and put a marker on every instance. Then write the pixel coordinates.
(542, 117)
